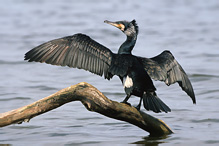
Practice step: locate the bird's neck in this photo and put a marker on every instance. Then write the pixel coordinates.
(128, 45)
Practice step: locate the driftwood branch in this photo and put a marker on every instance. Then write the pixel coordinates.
(93, 100)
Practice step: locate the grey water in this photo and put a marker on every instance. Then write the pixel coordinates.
(189, 29)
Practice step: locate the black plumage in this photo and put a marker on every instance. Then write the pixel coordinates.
(80, 51)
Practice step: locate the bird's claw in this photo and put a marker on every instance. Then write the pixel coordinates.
(126, 103)
(137, 107)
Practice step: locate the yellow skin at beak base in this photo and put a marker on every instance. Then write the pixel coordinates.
(120, 26)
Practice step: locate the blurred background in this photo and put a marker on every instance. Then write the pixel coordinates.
(189, 29)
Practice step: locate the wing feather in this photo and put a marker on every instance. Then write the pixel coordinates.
(164, 67)
(77, 51)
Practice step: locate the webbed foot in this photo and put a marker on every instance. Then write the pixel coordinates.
(138, 107)
(126, 103)
(126, 99)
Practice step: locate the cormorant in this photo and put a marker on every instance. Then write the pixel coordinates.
(80, 51)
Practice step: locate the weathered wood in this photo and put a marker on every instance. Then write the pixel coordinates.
(93, 100)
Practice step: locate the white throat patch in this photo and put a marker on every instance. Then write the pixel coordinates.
(127, 82)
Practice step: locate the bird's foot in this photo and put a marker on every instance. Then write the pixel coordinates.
(138, 107)
(126, 103)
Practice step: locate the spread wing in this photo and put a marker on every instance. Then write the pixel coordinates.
(77, 51)
(164, 67)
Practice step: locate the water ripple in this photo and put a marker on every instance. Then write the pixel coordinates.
(206, 121)
(15, 98)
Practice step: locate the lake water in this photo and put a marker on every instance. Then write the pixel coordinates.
(189, 29)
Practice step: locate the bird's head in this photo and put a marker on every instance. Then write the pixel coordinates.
(129, 28)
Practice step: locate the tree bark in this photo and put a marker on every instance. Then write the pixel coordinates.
(93, 100)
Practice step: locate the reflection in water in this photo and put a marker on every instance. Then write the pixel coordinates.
(151, 141)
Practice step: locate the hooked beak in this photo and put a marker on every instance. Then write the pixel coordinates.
(116, 24)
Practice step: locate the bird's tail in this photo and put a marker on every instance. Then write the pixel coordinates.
(152, 102)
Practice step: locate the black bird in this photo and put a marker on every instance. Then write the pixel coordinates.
(80, 51)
